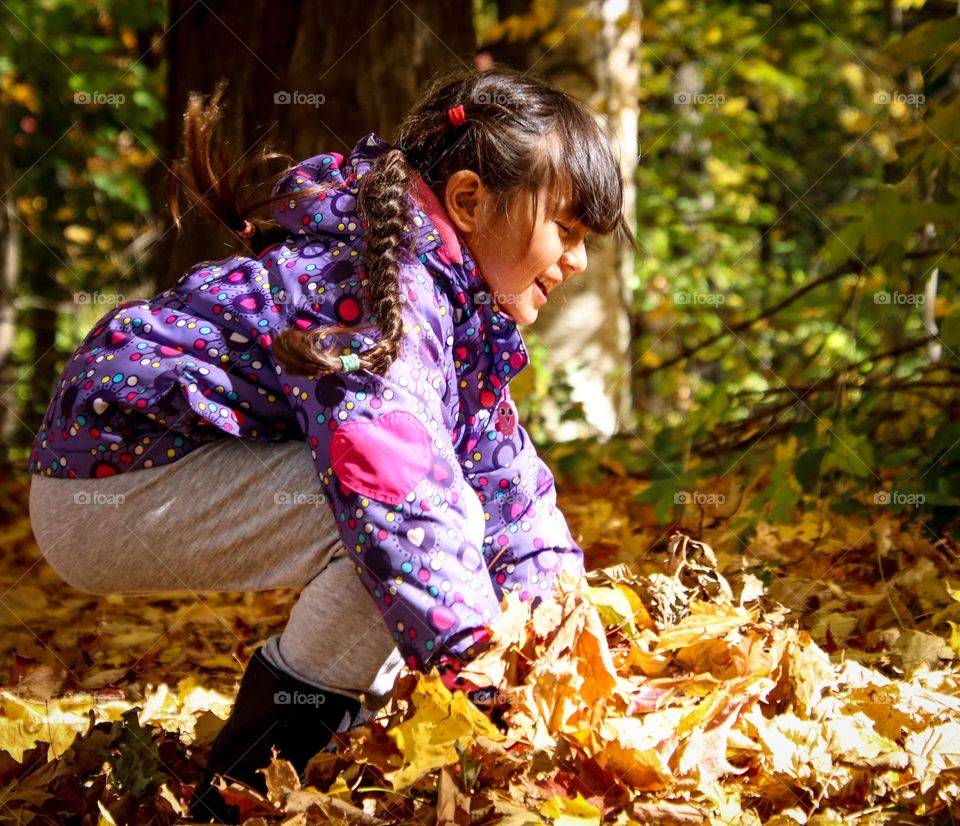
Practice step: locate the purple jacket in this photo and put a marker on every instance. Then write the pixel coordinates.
(438, 492)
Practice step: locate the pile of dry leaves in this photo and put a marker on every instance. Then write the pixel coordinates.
(658, 699)
(666, 698)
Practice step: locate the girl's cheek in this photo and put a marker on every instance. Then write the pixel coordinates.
(556, 250)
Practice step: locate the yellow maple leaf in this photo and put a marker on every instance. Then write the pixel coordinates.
(638, 749)
(575, 673)
(785, 451)
(577, 811)
(426, 740)
(810, 527)
(705, 621)
(954, 641)
(24, 723)
(620, 605)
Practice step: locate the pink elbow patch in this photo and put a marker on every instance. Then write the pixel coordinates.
(383, 458)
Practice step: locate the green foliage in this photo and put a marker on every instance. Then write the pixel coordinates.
(798, 189)
(135, 759)
(81, 87)
(540, 382)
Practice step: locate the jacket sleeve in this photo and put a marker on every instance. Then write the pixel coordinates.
(384, 456)
(526, 538)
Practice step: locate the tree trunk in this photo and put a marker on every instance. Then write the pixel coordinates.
(586, 326)
(367, 61)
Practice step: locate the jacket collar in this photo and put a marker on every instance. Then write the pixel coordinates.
(474, 312)
(434, 211)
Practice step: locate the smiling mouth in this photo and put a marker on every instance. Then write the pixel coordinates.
(543, 290)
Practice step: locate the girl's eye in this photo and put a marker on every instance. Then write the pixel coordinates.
(565, 229)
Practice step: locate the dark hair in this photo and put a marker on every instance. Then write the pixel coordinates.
(520, 136)
(206, 176)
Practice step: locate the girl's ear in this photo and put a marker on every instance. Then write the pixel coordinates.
(465, 198)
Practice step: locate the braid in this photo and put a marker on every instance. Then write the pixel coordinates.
(381, 202)
(520, 136)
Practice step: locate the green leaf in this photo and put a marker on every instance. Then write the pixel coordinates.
(135, 759)
(950, 331)
(927, 42)
(807, 467)
(941, 500)
(848, 507)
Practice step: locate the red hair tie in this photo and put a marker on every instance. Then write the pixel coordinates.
(247, 231)
(457, 115)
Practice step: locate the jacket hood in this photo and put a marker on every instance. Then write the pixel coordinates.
(335, 212)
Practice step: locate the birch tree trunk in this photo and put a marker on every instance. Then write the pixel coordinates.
(592, 52)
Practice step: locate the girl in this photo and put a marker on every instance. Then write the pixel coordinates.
(334, 413)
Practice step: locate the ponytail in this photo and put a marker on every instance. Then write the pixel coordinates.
(205, 177)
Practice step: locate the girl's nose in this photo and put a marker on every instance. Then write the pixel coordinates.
(575, 259)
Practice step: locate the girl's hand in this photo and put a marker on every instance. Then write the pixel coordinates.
(487, 698)
(449, 668)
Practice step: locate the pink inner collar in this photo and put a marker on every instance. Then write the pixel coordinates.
(431, 205)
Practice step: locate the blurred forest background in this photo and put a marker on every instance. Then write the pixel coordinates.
(793, 171)
(775, 373)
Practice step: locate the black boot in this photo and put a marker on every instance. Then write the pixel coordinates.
(273, 708)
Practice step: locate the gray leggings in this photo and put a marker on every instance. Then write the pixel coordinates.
(233, 515)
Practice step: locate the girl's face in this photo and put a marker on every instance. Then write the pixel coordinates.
(521, 279)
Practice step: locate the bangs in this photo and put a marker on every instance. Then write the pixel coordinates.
(579, 168)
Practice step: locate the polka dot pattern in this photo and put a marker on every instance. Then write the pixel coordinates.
(155, 379)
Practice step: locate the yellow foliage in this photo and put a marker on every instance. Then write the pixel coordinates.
(566, 812)
(426, 740)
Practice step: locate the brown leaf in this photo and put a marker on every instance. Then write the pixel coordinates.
(281, 779)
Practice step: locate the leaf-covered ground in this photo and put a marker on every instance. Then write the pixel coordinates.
(806, 675)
